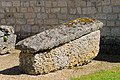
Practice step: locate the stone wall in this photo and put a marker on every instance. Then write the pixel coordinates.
(32, 16)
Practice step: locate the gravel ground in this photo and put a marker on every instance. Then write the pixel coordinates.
(9, 68)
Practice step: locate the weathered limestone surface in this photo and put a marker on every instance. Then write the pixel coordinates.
(7, 39)
(74, 53)
(54, 37)
(69, 45)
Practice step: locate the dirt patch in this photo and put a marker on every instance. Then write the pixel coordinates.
(9, 68)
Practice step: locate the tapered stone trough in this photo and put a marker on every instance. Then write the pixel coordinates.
(72, 44)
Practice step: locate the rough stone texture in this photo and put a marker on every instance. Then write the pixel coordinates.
(54, 37)
(72, 44)
(69, 55)
(7, 39)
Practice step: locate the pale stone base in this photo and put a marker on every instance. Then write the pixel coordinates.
(69, 55)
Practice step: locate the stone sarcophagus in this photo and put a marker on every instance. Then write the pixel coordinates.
(69, 45)
(7, 39)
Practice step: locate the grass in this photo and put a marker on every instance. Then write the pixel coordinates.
(113, 74)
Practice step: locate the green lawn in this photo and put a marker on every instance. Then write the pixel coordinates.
(113, 74)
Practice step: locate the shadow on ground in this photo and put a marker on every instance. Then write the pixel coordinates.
(101, 57)
(11, 71)
(109, 53)
(108, 58)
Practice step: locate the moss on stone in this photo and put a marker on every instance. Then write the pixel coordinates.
(79, 20)
(5, 38)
